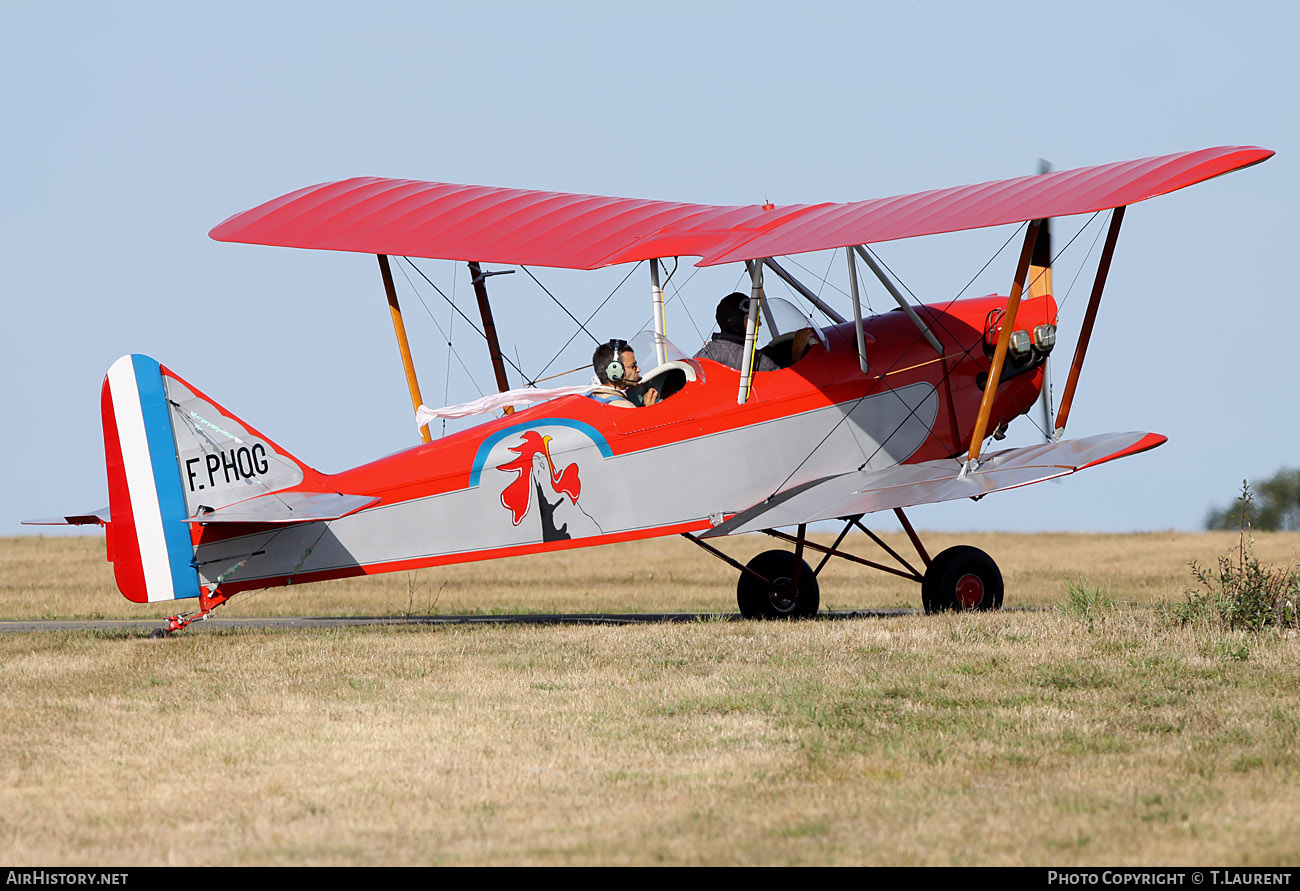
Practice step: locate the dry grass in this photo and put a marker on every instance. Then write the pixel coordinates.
(68, 577)
(1012, 738)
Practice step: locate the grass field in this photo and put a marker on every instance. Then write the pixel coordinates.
(1055, 736)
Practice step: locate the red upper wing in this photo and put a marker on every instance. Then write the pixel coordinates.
(446, 221)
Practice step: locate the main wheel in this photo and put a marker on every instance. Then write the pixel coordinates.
(961, 578)
(778, 599)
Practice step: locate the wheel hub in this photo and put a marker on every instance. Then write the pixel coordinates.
(783, 595)
(767, 589)
(970, 591)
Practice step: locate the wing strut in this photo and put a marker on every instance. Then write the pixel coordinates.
(1040, 285)
(1000, 354)
(1098, 285)
(479, 278)
(399, 328)
(803, 289)
(898, 298)
(751, 330)
(660, 321)
(857, 311)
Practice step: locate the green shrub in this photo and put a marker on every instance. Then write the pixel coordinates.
(1242, 593)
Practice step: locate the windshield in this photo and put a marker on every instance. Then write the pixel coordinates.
(654, 350)
(783, 318)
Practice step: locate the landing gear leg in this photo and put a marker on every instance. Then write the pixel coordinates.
(775, 584)
(778, 584)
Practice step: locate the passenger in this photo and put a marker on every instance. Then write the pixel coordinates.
(617, 371)
(728, 345)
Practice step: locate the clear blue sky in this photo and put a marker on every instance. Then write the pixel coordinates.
(131, 129)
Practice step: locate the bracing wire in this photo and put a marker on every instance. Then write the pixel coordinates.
(947, 369)
(1049, 385)
(677, 295)
(461, 313)
(451, 350)
(1084, 261)
(531, 380)
(443, 295)
(740, 278)
(188, 416)
(1028, 284)
(829, 263)
(911, 411)
(678, 290)
(825, 280)
(582, 326)
(593, 337)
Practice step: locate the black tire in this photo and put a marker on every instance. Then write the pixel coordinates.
(930, 583)
(777, 599)
(961, 578)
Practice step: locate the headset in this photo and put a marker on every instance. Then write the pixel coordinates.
(615, 371)
(731, 315)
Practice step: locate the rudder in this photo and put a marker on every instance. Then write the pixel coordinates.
(173, 454)
(150, 540)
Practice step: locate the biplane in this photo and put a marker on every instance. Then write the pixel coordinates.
(882, 413)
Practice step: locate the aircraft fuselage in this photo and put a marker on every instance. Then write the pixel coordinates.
(575, 472)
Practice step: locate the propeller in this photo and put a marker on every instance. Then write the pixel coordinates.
(1040, 265)
(1040, 284)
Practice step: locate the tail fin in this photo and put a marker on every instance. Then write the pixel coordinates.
(171, 453)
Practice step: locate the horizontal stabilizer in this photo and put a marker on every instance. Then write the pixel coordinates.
(100, 517)
(866, 491)
(287, 507)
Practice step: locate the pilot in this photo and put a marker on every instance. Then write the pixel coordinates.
(617, 373)
(728, 345)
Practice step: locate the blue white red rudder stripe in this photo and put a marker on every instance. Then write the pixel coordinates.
(150, 542)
